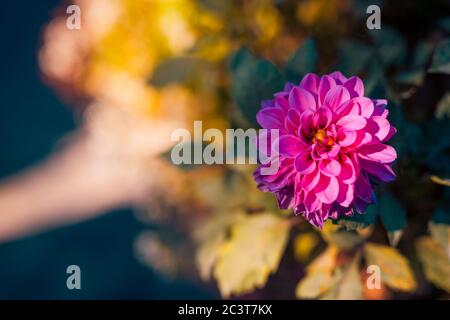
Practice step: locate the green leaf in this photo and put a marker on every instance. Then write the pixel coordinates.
(253, 80)
(251, 254)
(395, 270)
(303, 61)
(441, 58)
(441, 215)
(435, 262)
(411, 77)
(391, 212)
(390, 44)
(353, 57)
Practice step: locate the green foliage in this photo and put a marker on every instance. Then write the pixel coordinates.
(441, 58)
(253, 80)
(303, 61)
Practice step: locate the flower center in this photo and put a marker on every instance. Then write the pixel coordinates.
(322, 137)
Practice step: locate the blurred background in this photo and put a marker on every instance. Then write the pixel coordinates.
(85, 122)
(33, 119)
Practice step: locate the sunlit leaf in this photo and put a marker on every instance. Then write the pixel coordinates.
(251, 254)
(395, 270)
(210, 236)
(435, 262)
(441, 58)
(440, 232)
(319, 275)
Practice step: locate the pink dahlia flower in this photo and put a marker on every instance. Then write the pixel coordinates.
(331, 147)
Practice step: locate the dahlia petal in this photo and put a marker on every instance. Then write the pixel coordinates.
(310, 180)
(338, 77)
(346, 137)
(355, 86)
(327, 189)
(294, 116)
(301, 99)
(352, 122)
(330, 168)
(379, 127)
(282, 103)
(326, 84)
(380, 171)
(378, 152)
(363, 189)
(366, 106)
(322, 118)
(345, 195)
(271, 118)
(290, 146)
(336, 97)
(310, 82)
(304, 164)
(349, 171)
(312, 203)
(379, 107)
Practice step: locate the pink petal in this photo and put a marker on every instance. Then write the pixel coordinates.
(322, 118)
(355, 87)
(310, 180)
(346, 137)
(304, 164)
(327, 189)
(290, 146)
(379, 127)
(312, 203)
(301, 99)
(339, 77)
(349, 171)
(325, 85)
(310, 82)
(366, 106)
(271, 118)
(345, 195)
(330, 168)
(378, 152)
(336, 97)
(352, 122)
(282, 103)
(363, 189)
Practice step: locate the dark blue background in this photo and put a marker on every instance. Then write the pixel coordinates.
(32, 119)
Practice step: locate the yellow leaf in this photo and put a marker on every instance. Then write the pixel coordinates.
(395, 270)
(251, 254)
(304, 244)
(210, 236)
(435, 262)
(319, 275)
(349, 287)
(440, 233)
